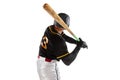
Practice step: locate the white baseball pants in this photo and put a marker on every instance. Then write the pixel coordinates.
(47, 70)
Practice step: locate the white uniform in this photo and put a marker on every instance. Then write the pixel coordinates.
(47, 70)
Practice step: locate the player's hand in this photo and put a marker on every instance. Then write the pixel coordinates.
(82, 44)
(79, 43)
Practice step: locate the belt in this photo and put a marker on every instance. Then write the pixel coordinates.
(45, 59)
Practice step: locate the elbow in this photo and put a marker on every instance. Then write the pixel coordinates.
(67, 63)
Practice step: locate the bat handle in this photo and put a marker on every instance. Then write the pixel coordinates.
(77, 39)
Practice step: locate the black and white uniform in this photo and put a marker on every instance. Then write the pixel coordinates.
(52, 49)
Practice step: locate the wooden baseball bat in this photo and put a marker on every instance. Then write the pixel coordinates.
(56, 17)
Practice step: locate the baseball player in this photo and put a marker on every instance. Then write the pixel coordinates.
(53, 48)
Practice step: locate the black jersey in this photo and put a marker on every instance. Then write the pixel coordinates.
(53, 44)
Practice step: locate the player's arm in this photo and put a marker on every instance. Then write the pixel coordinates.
(69, 39)
(71, 57)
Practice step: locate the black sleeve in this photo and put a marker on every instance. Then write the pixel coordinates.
(69, 39)
(67, 60)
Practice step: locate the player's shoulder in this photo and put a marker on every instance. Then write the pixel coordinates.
(48, 29)
(52, 30)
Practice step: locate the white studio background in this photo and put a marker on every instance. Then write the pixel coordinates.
(22, 24)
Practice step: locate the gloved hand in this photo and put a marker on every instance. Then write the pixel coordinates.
(82, 44)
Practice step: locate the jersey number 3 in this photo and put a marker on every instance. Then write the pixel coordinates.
(44, 42)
